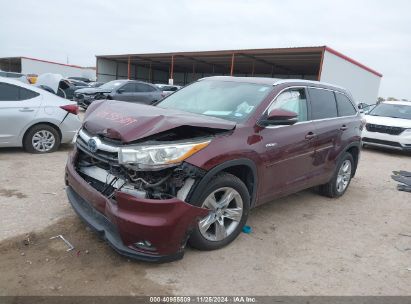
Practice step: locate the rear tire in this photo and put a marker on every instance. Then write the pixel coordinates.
(41, 138)
(341, 179)
(228, 199)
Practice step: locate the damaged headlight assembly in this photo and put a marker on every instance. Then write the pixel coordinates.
(154, 157)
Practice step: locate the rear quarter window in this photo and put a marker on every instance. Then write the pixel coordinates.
(27, 94)
(323, 104)
(344, 105)
(9, 92)
(141, 87)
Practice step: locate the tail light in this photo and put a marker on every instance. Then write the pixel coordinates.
(73, 109)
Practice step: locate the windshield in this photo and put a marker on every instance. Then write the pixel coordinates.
(111, 85)
(224, 99)
(392, 110)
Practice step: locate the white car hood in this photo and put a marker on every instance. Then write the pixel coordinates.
(49, 79)
(388, 121)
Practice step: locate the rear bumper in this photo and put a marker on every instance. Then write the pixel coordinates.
(166, 224)
(69, 127)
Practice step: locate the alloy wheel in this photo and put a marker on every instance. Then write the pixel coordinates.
(43, 141)
(344, 176)
(226, 210)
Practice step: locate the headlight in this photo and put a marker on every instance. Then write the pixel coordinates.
(158, 156)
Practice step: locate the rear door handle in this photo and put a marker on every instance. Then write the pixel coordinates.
(343, 128)
(310, 135)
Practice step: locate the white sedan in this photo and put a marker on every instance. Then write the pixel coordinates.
(388, 125)
(35, 119)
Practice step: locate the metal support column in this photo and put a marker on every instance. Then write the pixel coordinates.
(172, 69)
(128, 68)
(232, 65)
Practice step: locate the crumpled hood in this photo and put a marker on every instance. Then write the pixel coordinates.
(92, 90)
(129, 122)
(50, 80)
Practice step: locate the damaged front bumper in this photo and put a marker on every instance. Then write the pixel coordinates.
(144, 229)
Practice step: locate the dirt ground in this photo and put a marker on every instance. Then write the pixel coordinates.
(303, 244)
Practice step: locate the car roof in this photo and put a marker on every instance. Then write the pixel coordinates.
(136, 81)
(273, 81)
(398, 102)
(16, 82)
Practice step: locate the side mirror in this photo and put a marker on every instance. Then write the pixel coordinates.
(120, 91)
(280, 117)
(362, 105)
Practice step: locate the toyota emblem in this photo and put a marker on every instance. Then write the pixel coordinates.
(92, 145)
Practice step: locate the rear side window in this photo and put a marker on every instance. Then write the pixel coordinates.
(129, 88)
(141, 87)
(9, 92)
(168, 88)
(344, 105)
(323, 104)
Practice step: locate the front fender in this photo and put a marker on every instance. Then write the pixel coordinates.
(199, 188)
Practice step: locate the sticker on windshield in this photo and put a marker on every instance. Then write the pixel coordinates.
(262, 89)
(218, 113)
(249, 109)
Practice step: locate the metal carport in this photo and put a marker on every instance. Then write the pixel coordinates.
(185, 67)
(313, 63)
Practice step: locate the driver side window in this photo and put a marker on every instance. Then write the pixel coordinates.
(129, 88)
(293, 100)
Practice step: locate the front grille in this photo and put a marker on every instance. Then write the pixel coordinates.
(382, 142)
(110, 157)
(384, 129)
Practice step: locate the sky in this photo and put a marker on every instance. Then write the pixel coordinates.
(376, 33)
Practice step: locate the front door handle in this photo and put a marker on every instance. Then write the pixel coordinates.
(343, 128)
(26, 110)
(310, 135)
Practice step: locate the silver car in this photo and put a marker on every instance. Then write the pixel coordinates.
(35, 119)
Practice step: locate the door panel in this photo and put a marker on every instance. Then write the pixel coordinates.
(15, 114)
(327, 127)
(125, 93)
(288, 159)
(143, 94)
(289, 150)
(327, 146)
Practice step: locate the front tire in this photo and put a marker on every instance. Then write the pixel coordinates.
(41, 138)
(341, 179)
(228, 200)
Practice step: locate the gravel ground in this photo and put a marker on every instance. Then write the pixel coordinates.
(303, 244)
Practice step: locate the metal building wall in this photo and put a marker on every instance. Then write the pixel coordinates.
(108, 70)
(363, 84)
(30, 66)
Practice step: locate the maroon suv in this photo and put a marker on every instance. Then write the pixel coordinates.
(149, 179)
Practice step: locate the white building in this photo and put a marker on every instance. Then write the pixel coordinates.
(26, 65)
